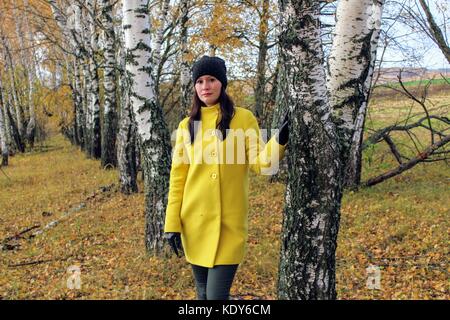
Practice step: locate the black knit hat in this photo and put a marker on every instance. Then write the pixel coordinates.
(213, 66)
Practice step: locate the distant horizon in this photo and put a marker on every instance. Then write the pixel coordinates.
(426, 68)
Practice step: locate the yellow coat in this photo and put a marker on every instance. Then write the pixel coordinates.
(208, 200)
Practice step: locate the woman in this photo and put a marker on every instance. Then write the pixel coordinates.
(208, 195)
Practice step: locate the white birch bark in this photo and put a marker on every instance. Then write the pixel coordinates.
(71, 29)
(260, 91)
(95, 150)
(164, 10)
(86, 93)
(185, 77)
(9, 136)
(31, 72)
(19, 34)
(126, 137)
(15, 97)
(80, 54)
(313, 192)
(109, 83)
(11, 127)
(351, 64)
(87, 106)
(78, 102)
(3, 136)
(151, 127)
(3, 139)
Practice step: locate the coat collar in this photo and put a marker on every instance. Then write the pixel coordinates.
(215, 107)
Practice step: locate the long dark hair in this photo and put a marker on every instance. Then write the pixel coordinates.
(226, 113)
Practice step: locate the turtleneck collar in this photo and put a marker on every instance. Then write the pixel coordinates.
(215, 107)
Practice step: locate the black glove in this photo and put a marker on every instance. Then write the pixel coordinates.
(283, 134)
(174, 240)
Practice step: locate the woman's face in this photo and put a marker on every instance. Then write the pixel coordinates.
(208, 89)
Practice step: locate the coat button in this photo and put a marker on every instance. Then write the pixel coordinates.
(213, 154)
(214, 176)
(213, 133)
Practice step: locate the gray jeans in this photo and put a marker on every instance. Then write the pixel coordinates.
(214, 283)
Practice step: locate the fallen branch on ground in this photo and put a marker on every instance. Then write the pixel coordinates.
(408, 165)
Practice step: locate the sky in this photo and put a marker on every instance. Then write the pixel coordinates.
(416, 43)
(418, 50)
(431, 56)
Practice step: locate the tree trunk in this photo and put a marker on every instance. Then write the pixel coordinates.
(17, 108)
(31, 127)
(76, 41)
(6, 124)
(87, 107)
(94, 129)
(9, 136)
(351, 64)
(79, 112)
(73, 87)
(3, 136)
(108, 148)
(185, 78)
(18, 22)
(15, 130)
(126, 148)
(87, 84)
(27, 131)
(152, 130)
(126, 138)
(280, 109)
(313, 192)
(70, 26)
(261, 67)
(163, 12)
(31, 72)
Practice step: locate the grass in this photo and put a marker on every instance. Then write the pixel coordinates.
(400, 225)
(422, 82)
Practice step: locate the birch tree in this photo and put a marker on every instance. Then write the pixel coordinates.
(151, 127)
(86, 103)
(108, 148)
(126, 147)
(74, 24)
(3, 135)
(313, 191)
(73, 42)
(262, 56)
(25, 129)
(31, 72)
(351, 64)
(11, 126)
(94, 92)
(15, 95)
(322, 137)
(162, 15)
(78, 102)
(185, 76)
(126, 137)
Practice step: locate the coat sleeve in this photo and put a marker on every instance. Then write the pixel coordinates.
(263, 158)
(178, 175)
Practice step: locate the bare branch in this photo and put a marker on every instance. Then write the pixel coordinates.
(408, 165)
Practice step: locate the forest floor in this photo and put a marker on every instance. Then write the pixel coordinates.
(81, 222)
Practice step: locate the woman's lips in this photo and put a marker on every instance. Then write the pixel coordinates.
(206, 94)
